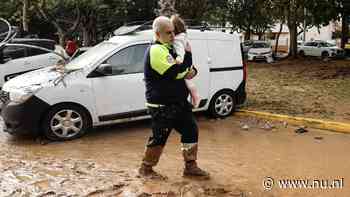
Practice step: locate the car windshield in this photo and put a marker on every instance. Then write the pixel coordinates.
(260, 45)
(330, 44)
(91, 56)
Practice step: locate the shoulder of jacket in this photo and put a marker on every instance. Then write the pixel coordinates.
(158, 48)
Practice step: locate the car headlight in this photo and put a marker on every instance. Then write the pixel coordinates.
(252, 53)
(21, 95)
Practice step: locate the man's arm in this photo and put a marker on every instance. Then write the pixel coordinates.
(165, 64)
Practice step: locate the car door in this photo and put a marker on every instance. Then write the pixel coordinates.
(122, 94)
(13, 62)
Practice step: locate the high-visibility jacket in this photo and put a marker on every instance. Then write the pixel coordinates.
(164, 78)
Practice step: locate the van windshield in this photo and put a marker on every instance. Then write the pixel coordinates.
(91, 56)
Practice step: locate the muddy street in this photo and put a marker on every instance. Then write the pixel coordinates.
(238, 152)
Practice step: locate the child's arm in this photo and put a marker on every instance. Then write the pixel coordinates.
(179, 46)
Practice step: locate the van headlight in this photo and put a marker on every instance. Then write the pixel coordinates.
(22, 94)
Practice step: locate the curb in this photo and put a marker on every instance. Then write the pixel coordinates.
(310, 122)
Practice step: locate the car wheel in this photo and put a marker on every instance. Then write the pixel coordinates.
(222, 104)
(302, 54)
(325, 55)
(66, 122)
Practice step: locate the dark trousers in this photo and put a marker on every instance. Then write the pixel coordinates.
(175, 116)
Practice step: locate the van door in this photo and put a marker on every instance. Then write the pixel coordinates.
(201, 60)
(122, 94)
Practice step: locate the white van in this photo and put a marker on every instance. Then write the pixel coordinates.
(105, 85)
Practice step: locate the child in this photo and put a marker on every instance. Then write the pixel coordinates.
(180, 43)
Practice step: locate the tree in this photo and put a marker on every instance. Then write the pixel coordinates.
(192, 9)
(59, 13)
(25, 15)
(250, 16)
(342, 12)
(166, 8)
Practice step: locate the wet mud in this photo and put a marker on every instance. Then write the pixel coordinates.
(238, 152)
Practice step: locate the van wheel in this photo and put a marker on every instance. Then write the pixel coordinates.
(222, 104)
(302, 54)
(65, 122)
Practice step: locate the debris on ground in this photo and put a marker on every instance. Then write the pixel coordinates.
(245, 127)
(285, 124)
(318, 138)
(301, 130)
(268, 126)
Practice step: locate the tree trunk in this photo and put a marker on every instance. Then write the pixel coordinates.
(86, 36)
(62, 38)
(345, 30)
(247, 35)
(293, 50)
(278, 37)
(25, 16)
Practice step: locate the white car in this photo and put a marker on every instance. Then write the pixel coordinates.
(105, 85)
(16, 60)
(260, 50)
(320, 49)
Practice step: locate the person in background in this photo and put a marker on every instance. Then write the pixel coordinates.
(71, 46)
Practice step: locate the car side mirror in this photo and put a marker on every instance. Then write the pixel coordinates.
(101, 71)
(105, 69)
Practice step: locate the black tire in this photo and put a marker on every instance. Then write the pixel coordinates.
(302, 53)
(222, 104)
(325, 55)
(71, 122)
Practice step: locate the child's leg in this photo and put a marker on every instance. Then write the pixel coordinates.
(195, 99)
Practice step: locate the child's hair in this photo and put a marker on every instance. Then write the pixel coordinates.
(179, 24)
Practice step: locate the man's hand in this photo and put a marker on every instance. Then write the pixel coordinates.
(191, 73)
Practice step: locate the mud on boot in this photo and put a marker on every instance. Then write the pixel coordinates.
(192, 170)
(146, 171)
(150, 159)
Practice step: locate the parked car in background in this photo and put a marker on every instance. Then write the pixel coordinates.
(16, 60)
(347, 50)
(260, 50)
(300, 43)
(246, 45)
(320, 48)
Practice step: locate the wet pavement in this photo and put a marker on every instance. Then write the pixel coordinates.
(238, 152)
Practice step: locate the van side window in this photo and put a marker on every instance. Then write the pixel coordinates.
(14, 52)
(128, 60)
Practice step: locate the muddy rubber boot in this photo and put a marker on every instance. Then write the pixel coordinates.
(191, 167)
(192, 170)
(150, 159)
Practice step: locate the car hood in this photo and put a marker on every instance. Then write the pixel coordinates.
(260, 50)
(43, 77)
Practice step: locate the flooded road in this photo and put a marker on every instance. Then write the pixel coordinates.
(238, 152)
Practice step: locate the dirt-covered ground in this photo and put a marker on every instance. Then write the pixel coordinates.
(240, 153)
(304, 87)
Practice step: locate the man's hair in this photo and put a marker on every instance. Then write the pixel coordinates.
(179, 24)
(159, 23)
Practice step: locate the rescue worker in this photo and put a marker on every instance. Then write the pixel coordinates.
(166, 95)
